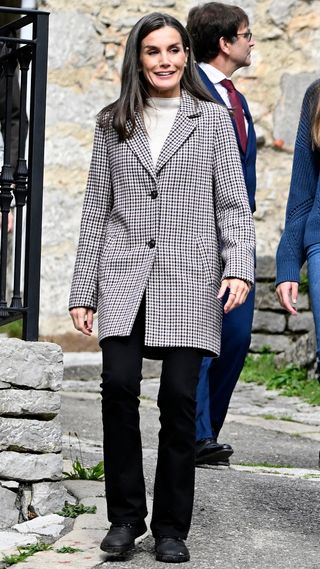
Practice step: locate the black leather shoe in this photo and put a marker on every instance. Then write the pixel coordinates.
(171, 550)
(209, 451)
(120, 537)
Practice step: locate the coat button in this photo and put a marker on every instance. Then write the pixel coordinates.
(151, 243)
(154, 194)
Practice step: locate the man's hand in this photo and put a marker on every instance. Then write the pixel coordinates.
(238, 292)
(287, 293)
(82, 320)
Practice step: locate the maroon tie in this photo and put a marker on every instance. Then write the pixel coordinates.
(237, 112)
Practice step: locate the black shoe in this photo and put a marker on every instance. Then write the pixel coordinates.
(120, 537)
(209, 451)
(171, 550)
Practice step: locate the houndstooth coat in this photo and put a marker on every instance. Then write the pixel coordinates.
(172, 231)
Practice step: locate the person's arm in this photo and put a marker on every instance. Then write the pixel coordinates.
(304, 178)
(234, 218)
(95, 214)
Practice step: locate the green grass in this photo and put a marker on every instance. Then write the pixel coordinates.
(13, 329)
(73, 511)
(68, 549)
(289, 380)
(80, 472)
(266, 465)
(304, 284)
(25, 551)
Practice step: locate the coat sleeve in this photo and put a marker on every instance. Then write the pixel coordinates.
(304, 179)
(95, 214)
(234, 218)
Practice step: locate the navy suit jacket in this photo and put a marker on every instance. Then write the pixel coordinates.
(248, 159)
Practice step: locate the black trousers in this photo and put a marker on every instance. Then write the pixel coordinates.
(174, 481)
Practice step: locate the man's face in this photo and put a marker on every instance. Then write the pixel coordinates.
(240, 49)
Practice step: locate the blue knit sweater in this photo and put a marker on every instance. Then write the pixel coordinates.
(302, 226)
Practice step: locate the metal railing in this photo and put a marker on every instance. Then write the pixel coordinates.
(21, 179)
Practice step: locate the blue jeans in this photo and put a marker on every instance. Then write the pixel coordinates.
(313, 259)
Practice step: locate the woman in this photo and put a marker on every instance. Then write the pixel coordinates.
(165, 195)
(301, 237)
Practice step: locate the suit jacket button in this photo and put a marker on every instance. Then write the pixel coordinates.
(154, 194)
(151, 243)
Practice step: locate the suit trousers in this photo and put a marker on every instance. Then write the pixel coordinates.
(174, 479)
(218, 376)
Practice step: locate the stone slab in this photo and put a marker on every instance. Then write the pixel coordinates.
(17, 402)
(86, 366)
(81, 489)
(38, 365)
(9, 539)
(99, 520)
(30, 435)
(276, 342)
(48, 497)
(9, 510)
(302, 322)
(30, 467)
(266, 268)
(266, 298)
(267, 321)
(51, 525)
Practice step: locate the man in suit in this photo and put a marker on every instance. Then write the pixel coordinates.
(222, 42)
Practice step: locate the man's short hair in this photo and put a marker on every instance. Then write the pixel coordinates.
(209, 22)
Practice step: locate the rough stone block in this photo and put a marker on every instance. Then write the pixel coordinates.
(287, 109)
(280, 10)
(302, 351)
(9, 511)
(267, 321)
(266, 298)
(30, 467)
(266, 268)
(48, 497)
(27, 436)
(10, 539)
(38, 365)
(276, 342)
(16, 402)
(51, 525)
(301, 322)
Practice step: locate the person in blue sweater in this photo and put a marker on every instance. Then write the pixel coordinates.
(222, 43)
(300, 240)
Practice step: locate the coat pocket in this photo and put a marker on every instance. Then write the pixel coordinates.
(211, 269)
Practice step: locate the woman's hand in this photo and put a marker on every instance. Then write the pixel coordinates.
(287, 293)
(238, 292)
(82, 320)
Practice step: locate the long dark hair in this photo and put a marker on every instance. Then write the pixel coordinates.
(315, 118)
(134, 92)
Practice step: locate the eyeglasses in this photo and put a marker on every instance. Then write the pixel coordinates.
(247, 35)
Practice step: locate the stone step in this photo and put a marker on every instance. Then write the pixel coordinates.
(86, 366)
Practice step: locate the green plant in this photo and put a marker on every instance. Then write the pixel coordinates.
(79, 471)
(13, 329)
(290, 380)
(304, 284)
(25, 551)
(266, 465)
(73, 511)
(68, 549)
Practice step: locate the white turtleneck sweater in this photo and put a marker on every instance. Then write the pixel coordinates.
(159, 114)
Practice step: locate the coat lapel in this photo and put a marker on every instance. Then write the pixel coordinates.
(182, 127)
(139, 145)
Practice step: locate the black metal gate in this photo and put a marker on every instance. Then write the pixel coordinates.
(23, 78)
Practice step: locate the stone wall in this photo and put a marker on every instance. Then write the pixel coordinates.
(87, 39)
(291, 338)
(31, 439)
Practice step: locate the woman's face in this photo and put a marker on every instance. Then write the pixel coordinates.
(162, 62)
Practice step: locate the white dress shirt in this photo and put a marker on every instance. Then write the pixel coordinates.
(215, 76)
